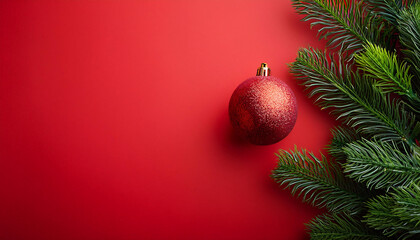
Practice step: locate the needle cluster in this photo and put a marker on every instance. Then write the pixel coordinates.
(368, 78)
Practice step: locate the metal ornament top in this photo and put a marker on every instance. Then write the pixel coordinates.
(263, 70)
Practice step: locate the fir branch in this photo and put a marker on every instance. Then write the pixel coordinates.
(344, 227)
(409, 28)
(353, 98)
(390, 9)
(341, 137)
(390, 159)
(381, 165)
(318, 182)
(347, 24)
(391, 75)
(396, 214)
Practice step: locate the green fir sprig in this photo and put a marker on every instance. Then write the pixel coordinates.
(341, 137)
(346, 24)
(391, 75)
(389, 10)
(381, 165)
(318, 182)
(409, 29)
(369, 79)
(397, 213)
(352, 97)
(341, 227)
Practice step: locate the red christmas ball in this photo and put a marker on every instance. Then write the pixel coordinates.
(263, 108)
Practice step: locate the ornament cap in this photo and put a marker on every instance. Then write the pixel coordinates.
(263, 70)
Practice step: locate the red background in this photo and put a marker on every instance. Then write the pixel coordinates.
(114, 124)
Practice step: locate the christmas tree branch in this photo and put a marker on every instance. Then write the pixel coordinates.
(352, 96)
(346, 24)
(396, 214)
(381, 165)
(390, 75)
(409, 27)
(378, 148)
(342, 227)
(341, 137)
(390, 9)
(318, 182)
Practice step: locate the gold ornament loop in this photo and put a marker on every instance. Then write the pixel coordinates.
(263, 70)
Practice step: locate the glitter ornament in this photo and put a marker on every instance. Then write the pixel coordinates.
(263, 109)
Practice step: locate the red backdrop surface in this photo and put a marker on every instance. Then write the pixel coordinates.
(114, 124)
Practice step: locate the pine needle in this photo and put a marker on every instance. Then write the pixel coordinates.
(409, 28)
(390, 9)
(381, 165)
(340, 227)
(347, 24)
(318, 182)
(396, 214)
(352, 97)
(373, 191)
(382, 65)
(341, 137)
